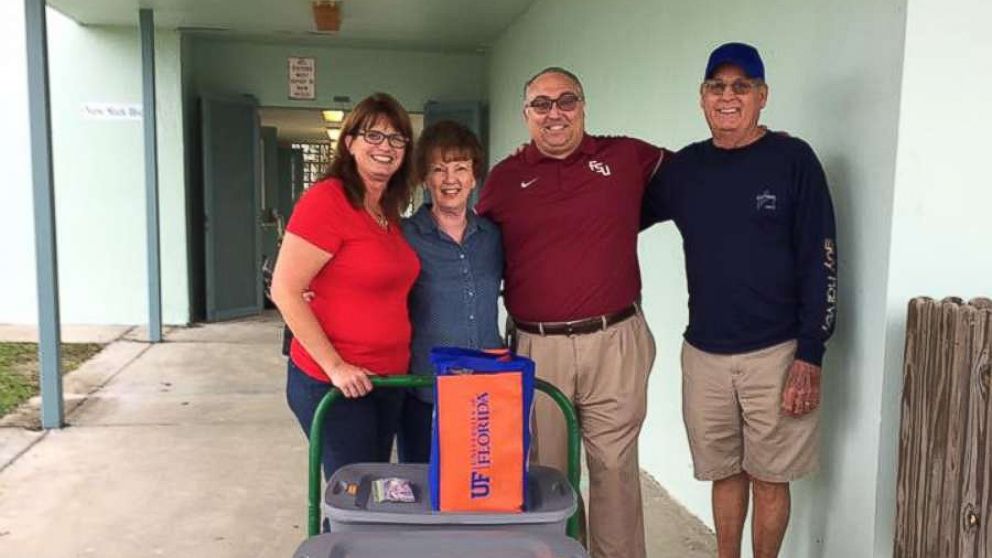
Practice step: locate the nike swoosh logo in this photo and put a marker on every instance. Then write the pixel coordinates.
(528, 183)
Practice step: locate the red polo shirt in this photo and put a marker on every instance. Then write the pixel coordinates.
(570, 227)
(360, 294)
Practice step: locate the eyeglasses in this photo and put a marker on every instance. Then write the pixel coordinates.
(739, 87)
(375, 137)
(567, 102)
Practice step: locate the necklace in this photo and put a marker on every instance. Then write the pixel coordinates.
(378, 216)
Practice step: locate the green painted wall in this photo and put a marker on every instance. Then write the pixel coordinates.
(18, 289)
(99, 175)
(835, 73)
(260, 69)
(942, 223)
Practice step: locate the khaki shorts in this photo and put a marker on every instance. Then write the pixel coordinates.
(731, 405)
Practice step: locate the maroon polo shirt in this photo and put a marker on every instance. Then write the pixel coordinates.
(570, 227)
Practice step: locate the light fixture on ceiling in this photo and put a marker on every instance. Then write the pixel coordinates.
(333, 133)
(333, 115)
(327, 15)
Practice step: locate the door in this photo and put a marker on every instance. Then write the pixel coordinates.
(270, 223)
(290, 167)
(231, 184)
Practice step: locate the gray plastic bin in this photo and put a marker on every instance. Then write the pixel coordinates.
(440, 544)
(550, 502)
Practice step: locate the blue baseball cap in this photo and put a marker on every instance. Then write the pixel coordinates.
(742, 55)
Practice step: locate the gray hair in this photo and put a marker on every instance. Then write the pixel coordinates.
(555, 70)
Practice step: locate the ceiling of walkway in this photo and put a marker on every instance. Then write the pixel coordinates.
(429, 24)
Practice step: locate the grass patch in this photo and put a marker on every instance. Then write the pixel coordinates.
(19, 369)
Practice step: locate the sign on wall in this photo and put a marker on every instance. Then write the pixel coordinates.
(112, 111)
(302, 79)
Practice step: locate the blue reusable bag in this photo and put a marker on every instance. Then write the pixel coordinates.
(470, 469)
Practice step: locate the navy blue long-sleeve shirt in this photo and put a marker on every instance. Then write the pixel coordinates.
(758, 231)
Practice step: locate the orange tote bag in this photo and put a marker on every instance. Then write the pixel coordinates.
(481, 431)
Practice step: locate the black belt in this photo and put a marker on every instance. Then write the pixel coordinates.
(577, 327)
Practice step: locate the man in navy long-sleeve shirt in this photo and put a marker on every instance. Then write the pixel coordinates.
(761, 261)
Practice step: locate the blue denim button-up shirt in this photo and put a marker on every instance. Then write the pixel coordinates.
(454, 300)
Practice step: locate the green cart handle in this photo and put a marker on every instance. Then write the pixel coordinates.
(417, 381)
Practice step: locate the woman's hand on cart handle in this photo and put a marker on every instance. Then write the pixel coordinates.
(353, 381)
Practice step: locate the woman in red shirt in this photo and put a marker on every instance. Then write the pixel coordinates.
(343, 244)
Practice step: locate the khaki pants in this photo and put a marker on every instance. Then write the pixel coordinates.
(605, 375)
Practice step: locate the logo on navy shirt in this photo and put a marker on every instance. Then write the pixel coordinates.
(601, 168)
(766, 201)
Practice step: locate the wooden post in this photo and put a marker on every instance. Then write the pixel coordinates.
(903, 535)
(971, 512)
(983, 375)
(944, 482)
(950, 524)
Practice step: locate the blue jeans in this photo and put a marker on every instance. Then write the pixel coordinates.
(413, 440)
(357, 430)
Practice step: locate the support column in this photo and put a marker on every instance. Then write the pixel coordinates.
(46, 255)
(147, 23)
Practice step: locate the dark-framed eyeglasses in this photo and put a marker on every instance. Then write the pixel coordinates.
(716, 87)
(567, 102)
(375, 137)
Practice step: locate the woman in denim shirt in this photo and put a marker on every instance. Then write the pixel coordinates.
(454, 299)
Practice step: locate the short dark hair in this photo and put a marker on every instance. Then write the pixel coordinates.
(555, 70)
(373, 109)
(453, 142)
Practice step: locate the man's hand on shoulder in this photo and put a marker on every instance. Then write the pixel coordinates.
(802, 389)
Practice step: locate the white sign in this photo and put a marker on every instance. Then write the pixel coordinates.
(112, 111)
(302, 73)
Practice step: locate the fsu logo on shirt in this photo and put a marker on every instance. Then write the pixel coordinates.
(601, 168)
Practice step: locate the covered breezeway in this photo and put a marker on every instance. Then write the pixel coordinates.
(868, 83)
(226, 224)
(179, 439)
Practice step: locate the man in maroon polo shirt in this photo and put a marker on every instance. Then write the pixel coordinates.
(569, 208)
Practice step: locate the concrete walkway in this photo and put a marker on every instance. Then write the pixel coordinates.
(187, 449)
